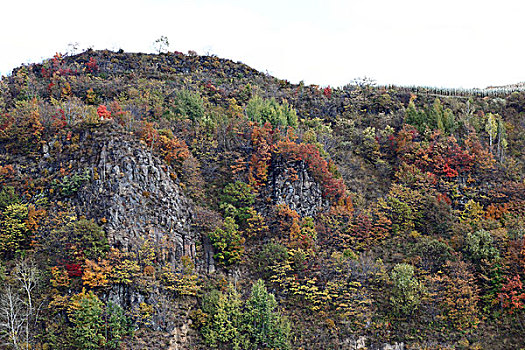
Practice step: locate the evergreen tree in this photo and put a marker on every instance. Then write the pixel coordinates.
(224, 316)
(86, 311)
(264, 326)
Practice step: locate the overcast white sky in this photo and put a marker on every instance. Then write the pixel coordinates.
(450, 43)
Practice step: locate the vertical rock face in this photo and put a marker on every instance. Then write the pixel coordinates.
(290, 183)
(133, 193)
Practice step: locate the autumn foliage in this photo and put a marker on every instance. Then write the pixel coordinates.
(103, 113)
(270, 144)
(171, 149)
(378, 212)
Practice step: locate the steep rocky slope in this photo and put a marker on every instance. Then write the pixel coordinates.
(191, 202)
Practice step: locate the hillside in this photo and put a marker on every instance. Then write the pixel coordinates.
(180, 201)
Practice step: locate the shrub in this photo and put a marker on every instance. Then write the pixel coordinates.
(479, 246)
(257, 325)
(223, 318)
(95, 325)
(271, 255)
(86, 238)
(261, 111)
(14, 232)
(406, 291)
(23, 128)
(227, 242)
(103, 113)
(189, 104)
(432, 254)
(8, 197)
(68, 186)
(236, 201)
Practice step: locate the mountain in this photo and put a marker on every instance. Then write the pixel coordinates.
(178, 201)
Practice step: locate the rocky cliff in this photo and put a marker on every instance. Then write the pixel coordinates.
(292, 184)
(135, 194)
(109, 175)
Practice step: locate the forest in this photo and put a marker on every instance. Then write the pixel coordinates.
(178, 201)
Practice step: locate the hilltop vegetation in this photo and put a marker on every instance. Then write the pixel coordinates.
(184, 201)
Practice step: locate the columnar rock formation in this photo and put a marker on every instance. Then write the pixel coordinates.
(133, 193)
(292, 184)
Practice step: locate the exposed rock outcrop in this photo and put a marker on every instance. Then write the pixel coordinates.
(292, 184)
(360, 343)
(133, 192)
(126, 188)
